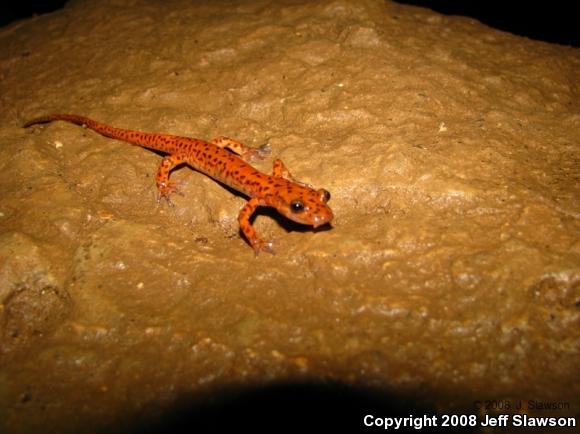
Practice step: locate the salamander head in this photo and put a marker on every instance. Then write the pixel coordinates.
(304, 205)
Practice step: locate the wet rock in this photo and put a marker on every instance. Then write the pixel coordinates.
(32, 301)
(450, 149)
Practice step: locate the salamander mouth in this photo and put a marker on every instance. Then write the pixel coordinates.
(314, 222)
(321, 220)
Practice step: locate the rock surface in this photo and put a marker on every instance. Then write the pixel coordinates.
(451, 272)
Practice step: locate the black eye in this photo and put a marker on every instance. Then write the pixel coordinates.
(324, 195)
(296, 206)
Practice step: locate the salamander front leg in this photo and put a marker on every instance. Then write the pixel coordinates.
(258, 244)
(165, 187)
(247, 153)
(281, 171)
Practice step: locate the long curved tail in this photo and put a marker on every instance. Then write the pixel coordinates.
(159, 142)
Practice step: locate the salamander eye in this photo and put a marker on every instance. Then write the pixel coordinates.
(324, 195)
(297, 206)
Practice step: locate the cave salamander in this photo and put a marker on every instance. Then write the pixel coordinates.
(226, 160)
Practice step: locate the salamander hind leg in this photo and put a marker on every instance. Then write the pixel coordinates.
(257, 243)
(247, 153)
(166, 188)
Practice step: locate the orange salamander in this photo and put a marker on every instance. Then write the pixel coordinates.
(294, 200)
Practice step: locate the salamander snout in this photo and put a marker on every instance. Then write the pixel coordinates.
(322, 219)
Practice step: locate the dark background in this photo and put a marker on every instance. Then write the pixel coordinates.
(554, 21)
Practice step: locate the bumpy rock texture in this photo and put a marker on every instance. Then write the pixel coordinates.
(452, 268)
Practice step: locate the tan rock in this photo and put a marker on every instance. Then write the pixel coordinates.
(451, 151)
